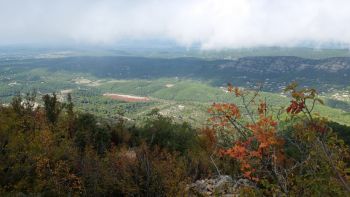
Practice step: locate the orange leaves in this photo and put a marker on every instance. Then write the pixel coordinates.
(261, 152)
(241, 153)
(223, 113)
(264, 134)
(259, 141)
(238, 151)
(226, 109)
(258, 147)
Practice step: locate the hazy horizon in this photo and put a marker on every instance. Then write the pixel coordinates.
(207, 24)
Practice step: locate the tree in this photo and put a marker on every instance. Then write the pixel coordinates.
(26, 110)
(52, 108)
(162, 131)
(71, 118)
(88, 132)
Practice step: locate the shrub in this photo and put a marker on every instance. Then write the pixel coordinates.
(303, 157)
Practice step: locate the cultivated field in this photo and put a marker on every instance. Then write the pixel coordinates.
(127, 98)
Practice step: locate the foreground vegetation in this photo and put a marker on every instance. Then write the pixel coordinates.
(54, 150)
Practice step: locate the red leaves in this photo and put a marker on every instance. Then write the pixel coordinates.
(296, 107)
(300, 98)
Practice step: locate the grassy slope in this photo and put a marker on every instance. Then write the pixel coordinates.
(185, 100)
(196, 97)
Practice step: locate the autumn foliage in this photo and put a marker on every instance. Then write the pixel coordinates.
(258, 141)
(276, 154)
(53, 150)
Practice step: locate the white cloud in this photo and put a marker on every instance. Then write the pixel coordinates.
(214, 24)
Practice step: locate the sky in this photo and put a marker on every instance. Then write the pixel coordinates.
(210, 24)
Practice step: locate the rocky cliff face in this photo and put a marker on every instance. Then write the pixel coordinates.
(285, 64)
(220, 186)
(321, 73)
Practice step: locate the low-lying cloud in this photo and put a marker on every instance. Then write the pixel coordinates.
(213, 24)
